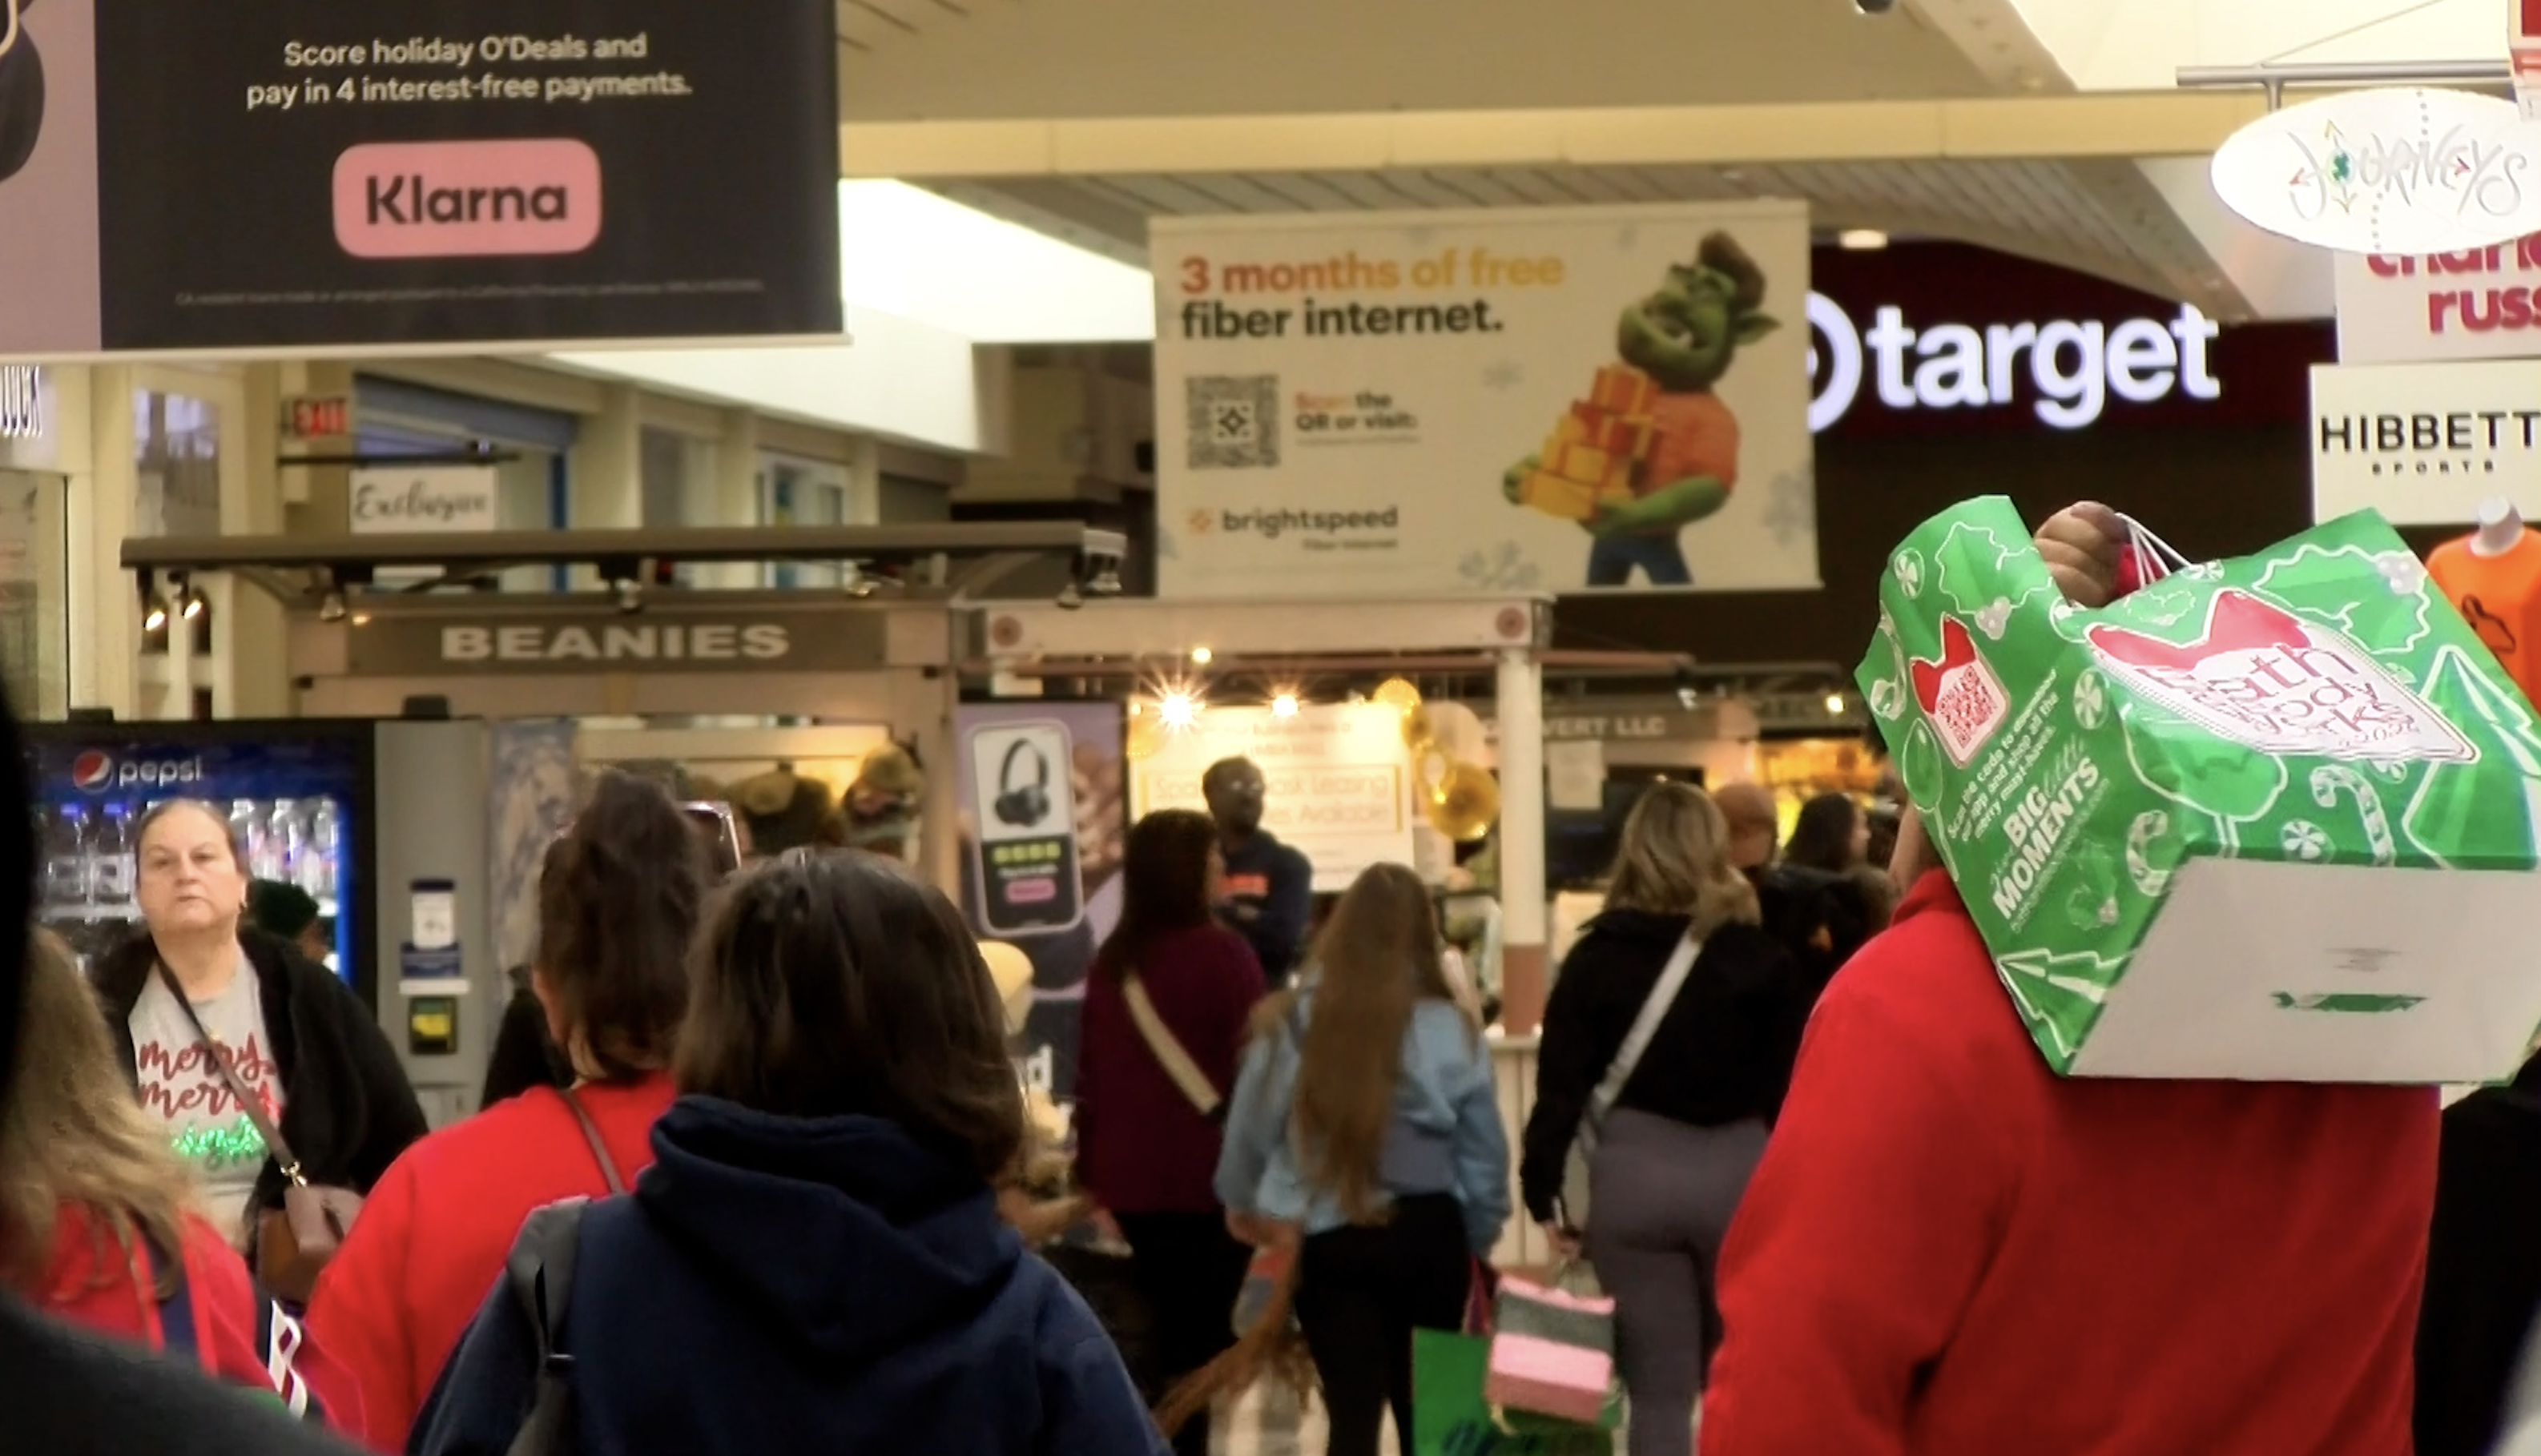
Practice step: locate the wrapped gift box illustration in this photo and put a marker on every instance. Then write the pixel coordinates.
(2269, 819)
(1594, 448)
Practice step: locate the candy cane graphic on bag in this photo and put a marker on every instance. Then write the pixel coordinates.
(2325, 785)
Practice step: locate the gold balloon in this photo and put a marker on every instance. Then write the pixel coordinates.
(1466, 803)
(1398, 695)
(1145, 737)
(1419, 733)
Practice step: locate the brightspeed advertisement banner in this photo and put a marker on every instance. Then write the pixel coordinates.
(1553, 400)
(277, 175)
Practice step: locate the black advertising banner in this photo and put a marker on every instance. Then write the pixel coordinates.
(290, 175)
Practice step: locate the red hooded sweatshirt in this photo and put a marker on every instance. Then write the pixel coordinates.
(229, 1327)
(433, 1237)
(1948, 1251)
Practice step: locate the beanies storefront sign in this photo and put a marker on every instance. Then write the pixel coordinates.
(1939, 338)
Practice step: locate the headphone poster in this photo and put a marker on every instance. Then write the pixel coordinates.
(1043, 807)
(286, 175)
(1531, 399)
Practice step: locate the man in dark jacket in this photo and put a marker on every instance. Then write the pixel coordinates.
(71, 1395)
(1270, 887)
(1817, 916)
(2483, 1266)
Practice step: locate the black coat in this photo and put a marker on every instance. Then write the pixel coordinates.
(2483, 1265)
(347, 1108)
(1722, 1054)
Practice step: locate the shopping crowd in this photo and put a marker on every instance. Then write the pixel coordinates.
(747, 1183)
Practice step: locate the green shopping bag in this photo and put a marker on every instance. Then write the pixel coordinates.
(1450, 1417)
(2268, 819)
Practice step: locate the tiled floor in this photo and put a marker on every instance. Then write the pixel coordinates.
(1267, 1423)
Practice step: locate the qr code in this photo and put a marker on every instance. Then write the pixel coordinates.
(1233, 421)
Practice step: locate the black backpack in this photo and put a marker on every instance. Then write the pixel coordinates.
(539, 1275)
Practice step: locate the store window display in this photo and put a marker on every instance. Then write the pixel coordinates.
(2493, 575)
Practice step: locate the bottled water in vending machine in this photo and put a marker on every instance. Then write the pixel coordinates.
(111, 868)
(67, 847)
(319, 848)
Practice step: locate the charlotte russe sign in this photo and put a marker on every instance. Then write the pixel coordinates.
(2065, 370)
(2426, 444)
(2399, 171)
(2472, 303)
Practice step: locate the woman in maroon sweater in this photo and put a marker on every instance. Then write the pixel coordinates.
(1145, 1151)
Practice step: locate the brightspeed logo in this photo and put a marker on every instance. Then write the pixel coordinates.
(1274, 523)
(2071, 369)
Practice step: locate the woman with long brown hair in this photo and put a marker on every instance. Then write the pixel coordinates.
(98, 1218)
(1366, 1124)
(1670, 1039)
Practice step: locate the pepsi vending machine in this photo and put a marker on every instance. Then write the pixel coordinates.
(382, 822)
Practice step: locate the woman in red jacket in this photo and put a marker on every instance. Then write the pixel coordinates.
(619, 899)
(96, 1224)
(1145, 1150)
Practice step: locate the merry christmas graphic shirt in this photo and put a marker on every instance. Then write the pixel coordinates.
(184, 1090)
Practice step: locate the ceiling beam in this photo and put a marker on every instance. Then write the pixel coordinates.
(2125, 124)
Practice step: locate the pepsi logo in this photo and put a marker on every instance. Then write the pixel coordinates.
(92, 771)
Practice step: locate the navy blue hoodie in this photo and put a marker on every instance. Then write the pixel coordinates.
(781, 1285)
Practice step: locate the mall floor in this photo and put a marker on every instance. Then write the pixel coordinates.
(1268, 1423)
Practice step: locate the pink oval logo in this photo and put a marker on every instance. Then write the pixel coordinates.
(468, 200)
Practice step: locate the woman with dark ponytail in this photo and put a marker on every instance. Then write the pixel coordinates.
(620, 898)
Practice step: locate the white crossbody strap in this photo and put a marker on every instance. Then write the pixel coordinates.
(1646, 1027)
(1168, 1050)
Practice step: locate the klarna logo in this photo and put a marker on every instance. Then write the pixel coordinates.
(468, 200)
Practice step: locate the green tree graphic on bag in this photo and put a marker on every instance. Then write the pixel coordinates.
(2269, 819)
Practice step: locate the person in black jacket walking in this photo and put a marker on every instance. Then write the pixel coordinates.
(2483, 1287)
(298, 1037)
(1685, 1131)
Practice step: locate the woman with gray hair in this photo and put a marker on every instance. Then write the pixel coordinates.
(1669, 1042)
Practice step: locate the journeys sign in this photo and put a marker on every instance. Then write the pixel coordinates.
(738, 640)
(271, 175)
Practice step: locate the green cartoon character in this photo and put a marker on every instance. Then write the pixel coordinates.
(1654, 449)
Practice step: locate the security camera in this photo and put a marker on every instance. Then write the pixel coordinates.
(1874, 7)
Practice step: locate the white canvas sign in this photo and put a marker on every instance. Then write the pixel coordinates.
(2425, 444)
(388, 501)
(1547, 399)
(2397, 169)
(1337, 782)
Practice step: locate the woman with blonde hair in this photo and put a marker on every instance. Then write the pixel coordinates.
(1365, 1124)
(1667, 1046)
(97, 1225)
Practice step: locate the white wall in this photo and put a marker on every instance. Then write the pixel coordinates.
(2139, 45)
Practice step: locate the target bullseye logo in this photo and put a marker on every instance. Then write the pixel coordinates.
(92, 771)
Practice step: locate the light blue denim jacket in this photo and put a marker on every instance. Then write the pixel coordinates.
(1446, 1136)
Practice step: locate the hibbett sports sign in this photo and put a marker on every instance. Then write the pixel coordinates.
(2425, 445)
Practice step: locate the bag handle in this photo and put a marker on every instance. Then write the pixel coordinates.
(248, 1102)
(591, 1134)
(2155, 557)
(1168, 1051)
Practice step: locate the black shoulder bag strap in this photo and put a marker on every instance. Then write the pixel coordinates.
(599, 1148)
(249, 1102)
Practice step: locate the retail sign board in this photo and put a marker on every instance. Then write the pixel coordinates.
(317, 417)
(391, 500)
(1336, 780)
(2425, 444)
(666, 638)
(288, 177)
(1536, 399)
(2523, 46)
(2398, 169)
(2473, 303)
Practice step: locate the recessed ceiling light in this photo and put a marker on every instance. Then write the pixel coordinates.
(1861, 239)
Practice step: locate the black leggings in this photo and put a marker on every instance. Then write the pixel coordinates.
(1189, 1270)
(1361, 1292)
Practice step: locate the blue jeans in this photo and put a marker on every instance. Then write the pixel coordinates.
(1612, 559)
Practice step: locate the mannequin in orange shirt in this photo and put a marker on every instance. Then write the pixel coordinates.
(2493, 575)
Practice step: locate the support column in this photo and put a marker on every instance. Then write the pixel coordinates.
(736, 490)
(106, 609)
(605, 477)
(1524, 982)
(250, 623)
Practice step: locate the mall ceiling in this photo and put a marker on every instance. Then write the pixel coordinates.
(1085, 118)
